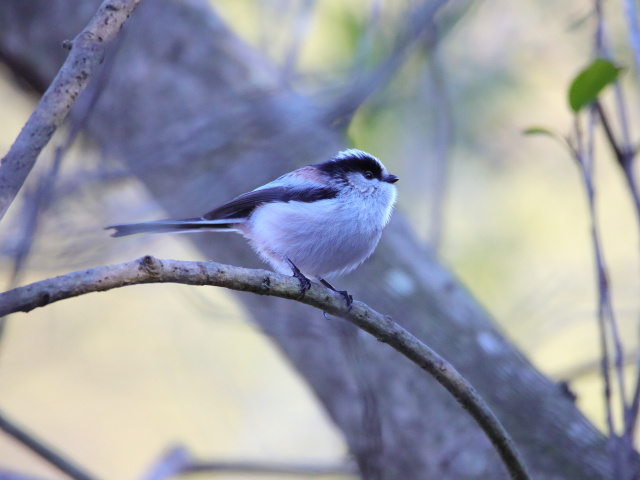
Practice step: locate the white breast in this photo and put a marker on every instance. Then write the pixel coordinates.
(323, 238)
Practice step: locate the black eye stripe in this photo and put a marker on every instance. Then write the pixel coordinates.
(360, 163)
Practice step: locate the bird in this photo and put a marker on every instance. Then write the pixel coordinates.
(319, 221)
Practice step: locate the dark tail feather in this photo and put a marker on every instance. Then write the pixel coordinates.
(170, 226)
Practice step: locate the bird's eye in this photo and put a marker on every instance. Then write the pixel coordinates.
(368, 174)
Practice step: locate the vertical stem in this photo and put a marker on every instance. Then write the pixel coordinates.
(443, 134)
(624, 154)
(584, 155)
(631, 14)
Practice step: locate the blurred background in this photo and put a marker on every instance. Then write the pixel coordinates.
(506, 212)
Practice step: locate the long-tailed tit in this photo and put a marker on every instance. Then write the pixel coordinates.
(317, 221)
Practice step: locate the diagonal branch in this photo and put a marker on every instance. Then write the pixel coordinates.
(87, 52)
(177, 461)
(151, 270)
(419, 23)
(10, 475)
(42, 450)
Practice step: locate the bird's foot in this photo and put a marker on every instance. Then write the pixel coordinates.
(305, 283)
(347, 298)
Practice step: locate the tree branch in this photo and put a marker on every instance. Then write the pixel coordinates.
(42, 450)
(9, 475)
(87, 53)
(177, 461)
(151, 270)
(419, 22)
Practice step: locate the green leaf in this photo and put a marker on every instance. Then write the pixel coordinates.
(588, 84)
(539, 131)
(547, 133)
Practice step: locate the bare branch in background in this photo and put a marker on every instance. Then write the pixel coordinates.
(624, 154)
(38, 447)
(623, 149)
(443, 135)
(170, 464)
(583, 150)
(419, 22)
(229, 114)
(87, 52)
(151, 270)
(9, 475)
(299, 33)
(592, 367)
(270, 468)
(582, 147)
(174, 462)
(177, 461)
(631, 15)
(38, 200)
(366, 40)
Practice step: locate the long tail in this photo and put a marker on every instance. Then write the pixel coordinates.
(174, 226)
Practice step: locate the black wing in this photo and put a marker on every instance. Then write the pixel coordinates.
(242, 206)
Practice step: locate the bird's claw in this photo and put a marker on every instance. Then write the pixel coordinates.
(305, 283)
(348, 298)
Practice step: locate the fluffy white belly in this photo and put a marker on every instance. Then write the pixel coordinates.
(320, 241)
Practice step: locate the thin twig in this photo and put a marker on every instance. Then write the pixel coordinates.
(624, 154)
(177, 461)
(268, 468)
(173, 461)
(10, 475)
(38, 447)
(635, 401)
(151, 270)
(44, 191)
(585, 162)
(299, 33)
(591, 367)
(443, 119)
(87, 52)
(584, 151)
(419, 22)
(611, 138)
(631, 14)
(364, 49)
(624, 151)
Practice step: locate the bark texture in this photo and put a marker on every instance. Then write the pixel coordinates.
(200, 117)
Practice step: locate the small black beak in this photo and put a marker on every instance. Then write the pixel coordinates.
(391, 178)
